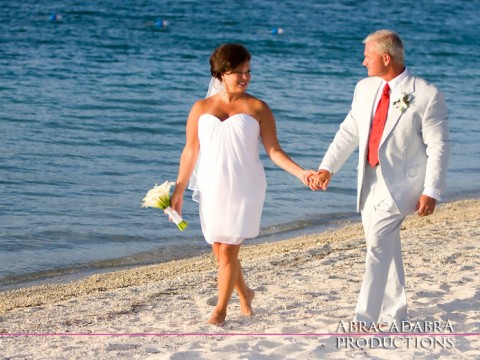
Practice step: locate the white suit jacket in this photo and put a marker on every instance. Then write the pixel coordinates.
(414, 148)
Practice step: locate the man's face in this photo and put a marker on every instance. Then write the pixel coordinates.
(373, 61)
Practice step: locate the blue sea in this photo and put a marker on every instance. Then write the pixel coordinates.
(94, 97)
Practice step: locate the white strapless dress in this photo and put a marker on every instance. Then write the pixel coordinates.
(229, 180)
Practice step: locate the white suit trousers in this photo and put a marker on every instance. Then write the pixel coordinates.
(382, 295)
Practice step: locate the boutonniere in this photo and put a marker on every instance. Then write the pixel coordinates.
(404, 102)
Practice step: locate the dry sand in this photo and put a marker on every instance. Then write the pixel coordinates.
(304, 288)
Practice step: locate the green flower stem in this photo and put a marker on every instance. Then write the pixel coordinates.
(182, 225)
(164, 201)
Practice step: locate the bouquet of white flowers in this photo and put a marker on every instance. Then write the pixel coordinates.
(159, 197)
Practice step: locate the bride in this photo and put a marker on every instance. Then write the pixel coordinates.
(221, 161)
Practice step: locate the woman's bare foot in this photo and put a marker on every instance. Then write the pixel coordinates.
(246, 306)
(217, 318)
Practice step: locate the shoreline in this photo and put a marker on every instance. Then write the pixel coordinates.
(136, 260)
(70, 274)
(146, 274)
(304, 286)
(49, 293)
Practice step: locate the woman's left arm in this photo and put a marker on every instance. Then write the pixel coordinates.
(268, 132)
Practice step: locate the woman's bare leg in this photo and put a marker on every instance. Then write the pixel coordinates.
(230, 276)
(227, 277)
(245, 294)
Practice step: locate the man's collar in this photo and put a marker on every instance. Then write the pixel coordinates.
(396, 82)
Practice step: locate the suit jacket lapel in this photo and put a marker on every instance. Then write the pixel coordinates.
(395, 114)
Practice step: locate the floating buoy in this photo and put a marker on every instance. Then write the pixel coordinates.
(161, 24)
(277, 31)
(54, 17)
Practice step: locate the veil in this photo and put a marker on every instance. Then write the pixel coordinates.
(214, 88)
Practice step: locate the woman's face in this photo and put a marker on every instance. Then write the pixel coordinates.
(237, 80)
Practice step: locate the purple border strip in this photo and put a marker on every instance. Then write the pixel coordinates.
(233, 334)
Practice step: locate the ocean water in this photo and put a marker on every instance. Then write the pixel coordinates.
(94, 103)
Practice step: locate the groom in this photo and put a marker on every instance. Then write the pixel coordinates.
(399, 123)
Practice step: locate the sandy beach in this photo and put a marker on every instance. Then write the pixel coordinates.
(305, 288)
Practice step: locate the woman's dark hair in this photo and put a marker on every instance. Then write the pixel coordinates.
(227, 57)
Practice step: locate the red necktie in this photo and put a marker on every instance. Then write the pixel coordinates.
(378, 125)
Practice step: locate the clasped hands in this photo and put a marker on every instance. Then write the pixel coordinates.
(318, 180)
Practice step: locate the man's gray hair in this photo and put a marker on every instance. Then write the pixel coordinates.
(387, 42)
